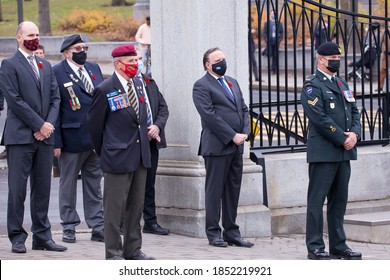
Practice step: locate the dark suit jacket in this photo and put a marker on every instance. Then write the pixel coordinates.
(71, 134)
(159, 109)
(118, 137)
(30, 102)
(221, 118)
(268, 32)
(330, 115)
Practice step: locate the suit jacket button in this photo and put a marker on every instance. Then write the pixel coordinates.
(137, 141)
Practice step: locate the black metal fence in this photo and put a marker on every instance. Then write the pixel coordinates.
(287, 54)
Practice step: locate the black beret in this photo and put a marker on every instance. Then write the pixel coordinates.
(70, 41)
(329, 48)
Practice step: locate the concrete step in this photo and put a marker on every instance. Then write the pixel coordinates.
(368, 227)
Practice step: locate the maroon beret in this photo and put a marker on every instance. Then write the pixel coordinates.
(124, 50)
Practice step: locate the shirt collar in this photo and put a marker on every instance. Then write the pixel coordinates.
(74, 67)
(26, 55)
(327, 75)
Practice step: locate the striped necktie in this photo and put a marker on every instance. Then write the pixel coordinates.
(88, 86)
(133, 97)
(150, 120)
(31, 61)
(148, 108)
(221, 81)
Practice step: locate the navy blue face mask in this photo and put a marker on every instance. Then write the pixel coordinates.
(220, 67)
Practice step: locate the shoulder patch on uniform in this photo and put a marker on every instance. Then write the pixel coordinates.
(309, 89)
(313, 102)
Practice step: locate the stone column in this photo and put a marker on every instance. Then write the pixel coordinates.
(181, 32)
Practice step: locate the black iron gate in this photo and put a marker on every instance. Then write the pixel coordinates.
(286, 55)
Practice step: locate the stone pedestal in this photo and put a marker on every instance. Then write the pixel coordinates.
(181, 33)
(180, 197)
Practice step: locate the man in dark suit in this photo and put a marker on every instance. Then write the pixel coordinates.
(225, 128)
(32, 96)
(159, 116)
(333, 131)
(273, 34)
(117, 122)
(76, 80)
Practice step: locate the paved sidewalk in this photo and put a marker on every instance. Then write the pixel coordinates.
(178, 247)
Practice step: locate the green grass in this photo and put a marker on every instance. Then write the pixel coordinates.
(59, 9)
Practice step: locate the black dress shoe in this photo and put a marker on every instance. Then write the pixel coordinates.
(18, 247)
(115, 258)
(48, 246)
(239, 242)
(155, 229)
(140, 257)
(98, 236)
(218, 242)
(318, 254)
(346, 255)
(69, 236)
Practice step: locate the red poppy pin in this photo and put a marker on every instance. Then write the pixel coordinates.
(92, 75)
(40, 65)
(147, 81)
(230, 84)
(339, 83)
(141, 99)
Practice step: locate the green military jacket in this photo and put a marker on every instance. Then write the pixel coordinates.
(331, 110)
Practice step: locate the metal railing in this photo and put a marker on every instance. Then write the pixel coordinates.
(275, 99)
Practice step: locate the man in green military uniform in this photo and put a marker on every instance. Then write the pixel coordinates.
(333, 131)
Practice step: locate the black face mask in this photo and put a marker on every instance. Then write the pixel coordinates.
(80, 58)
(333, 65)
(220, 67)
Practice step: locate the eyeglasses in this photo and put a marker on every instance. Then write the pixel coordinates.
(81, 48)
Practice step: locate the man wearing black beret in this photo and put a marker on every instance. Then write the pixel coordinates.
(333, 131)
(73, 147)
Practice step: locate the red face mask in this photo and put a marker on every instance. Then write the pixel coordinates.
(130, 69)
(31, 45)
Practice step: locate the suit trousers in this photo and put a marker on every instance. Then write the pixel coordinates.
(34, 161)
(70, 165)
(327, 180)
(223, 185)
(124, 190)
(149, 212)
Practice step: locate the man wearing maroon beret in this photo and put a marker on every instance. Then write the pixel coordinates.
(117, 123)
